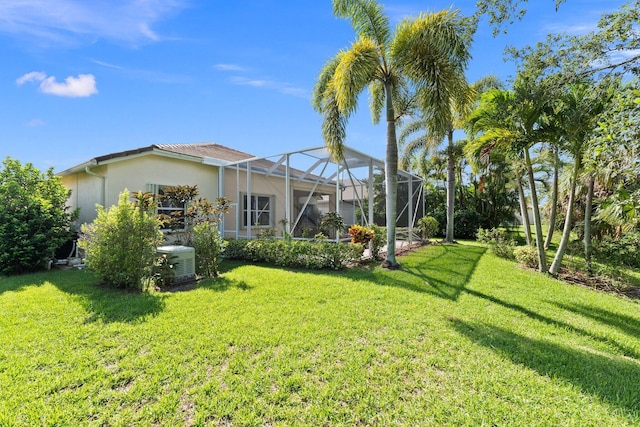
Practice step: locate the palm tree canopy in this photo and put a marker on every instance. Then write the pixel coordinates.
(425, 55)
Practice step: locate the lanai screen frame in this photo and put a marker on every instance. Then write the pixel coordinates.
(320, 169)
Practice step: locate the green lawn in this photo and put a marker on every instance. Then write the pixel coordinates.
(457, 337)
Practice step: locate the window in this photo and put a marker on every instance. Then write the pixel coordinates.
(261, 210)
(169, 208)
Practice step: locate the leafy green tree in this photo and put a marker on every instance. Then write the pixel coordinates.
(389, 64)
(504, 12)
(612, 48)
(121, 243)
(34, 218)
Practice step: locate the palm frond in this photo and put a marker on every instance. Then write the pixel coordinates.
(420, 146)
(355, 71)
(334, 125)
(326, 74)
(376, 100)
(433, 51)
(367, 18)
(409, 129)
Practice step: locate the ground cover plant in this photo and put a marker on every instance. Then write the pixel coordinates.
(458, 336)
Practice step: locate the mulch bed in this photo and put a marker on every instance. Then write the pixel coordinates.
(599, 283)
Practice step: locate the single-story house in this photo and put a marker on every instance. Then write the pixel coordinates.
(265, 192)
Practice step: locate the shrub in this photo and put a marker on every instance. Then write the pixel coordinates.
(236, 249)
(316, 255)
(360, 234)
(378, 241)
(526, 255)
(428, 226)
(623, 251)
(267, 233)
(209, 247)
(34, 219)
(466, 223)
(330, 223)
(164, 270)
(121, 243)
(498, 241)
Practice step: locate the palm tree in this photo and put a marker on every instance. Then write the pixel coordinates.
(510, 121)
(581, 105)
(459, 103)
(389, 64)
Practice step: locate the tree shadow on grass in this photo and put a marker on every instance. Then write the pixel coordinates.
(626, 324)
(222, 284)
(626, 350)
(107, 304)
(614, 380)
(440, 270)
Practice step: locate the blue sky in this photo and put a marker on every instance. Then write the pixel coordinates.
(86, 78)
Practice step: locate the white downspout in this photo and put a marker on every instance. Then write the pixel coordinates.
(104, 184)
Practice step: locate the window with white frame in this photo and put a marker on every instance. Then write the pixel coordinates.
(165, 206)
(261, 210)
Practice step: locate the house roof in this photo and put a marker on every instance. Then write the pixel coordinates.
(220, 155)
(201, 150)
(196, 152)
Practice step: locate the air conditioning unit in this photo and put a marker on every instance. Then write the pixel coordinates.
(184, 258)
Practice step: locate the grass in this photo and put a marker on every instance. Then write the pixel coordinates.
(457, 337)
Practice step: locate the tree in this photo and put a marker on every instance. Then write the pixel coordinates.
(612, 161)
(34, 218)
(504, 12)
(580, 107)
(610, 49)
(388, 64)
(432, 137)
(458, 100)
(512, 121)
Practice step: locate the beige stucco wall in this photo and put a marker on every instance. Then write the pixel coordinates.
(86, 191)
(135, 174)
(262, 185)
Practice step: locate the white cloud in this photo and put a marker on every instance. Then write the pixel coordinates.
(229, 67)
(81, 86)
(282, 87)
(623, 55)
(68, 22)
(30, 77)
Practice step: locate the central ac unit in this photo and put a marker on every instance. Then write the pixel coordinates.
(184, 259)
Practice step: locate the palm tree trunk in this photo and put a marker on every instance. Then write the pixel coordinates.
(588, 211)
(451, 187)
(554, 200)
(391, 180)
(524, 212)
(542, 257)
(566, 232)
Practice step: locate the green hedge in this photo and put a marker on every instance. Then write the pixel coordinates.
(315, 255)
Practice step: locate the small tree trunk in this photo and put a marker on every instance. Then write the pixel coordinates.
(588, 212)
(451, 187)
(554, 200)
(542, 257)
(391, 180)
(524, 212)
(566, 232)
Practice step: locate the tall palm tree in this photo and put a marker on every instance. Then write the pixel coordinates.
(389, 64)
(459, 103)
(581, 105)
(510, 121)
